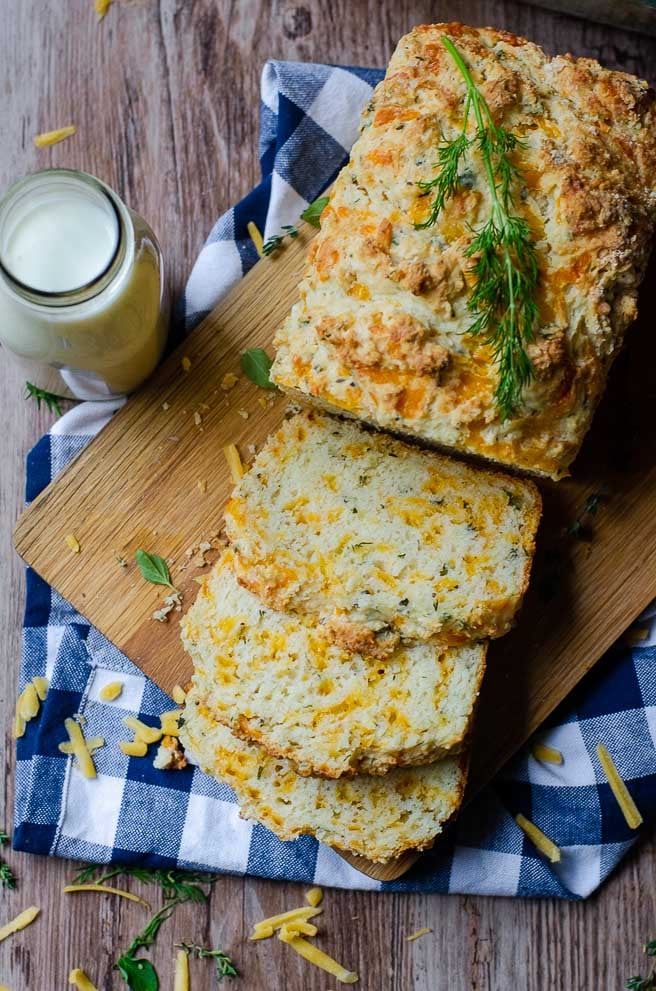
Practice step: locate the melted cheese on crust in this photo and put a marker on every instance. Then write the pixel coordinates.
(380, 328)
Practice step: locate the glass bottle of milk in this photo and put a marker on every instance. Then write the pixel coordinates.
(81, 283)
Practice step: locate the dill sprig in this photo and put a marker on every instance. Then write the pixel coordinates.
(224, 965)
(50, 399)
(177, 888)
(644, 983)
(7, 876)
(505, 266)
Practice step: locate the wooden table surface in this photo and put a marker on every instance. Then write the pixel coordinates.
(165, 98)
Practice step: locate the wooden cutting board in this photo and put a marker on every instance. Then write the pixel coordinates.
(156, 478)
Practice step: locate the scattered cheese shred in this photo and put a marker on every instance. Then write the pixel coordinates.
(619, 789)
(181, 979)
(105, 889)
(80, 980)
(299, 928)
(101, 7)
(542, 842)
(20, 922)
(18, 728)
(276, 921)
(28, 702)
(256, 237)
(320, 959)
(228, 380)
(186, 364)
(111, 691)
(80, 748)
(169, 722)
(149, 734)
(42, 685)
(71, 541)
(179, 695)
(314, 897)
(545, 754)
(234, 462)
(418, 935)
(202, 486)
(265, 933)
(54, 137)
(3, 987)
(133, 748)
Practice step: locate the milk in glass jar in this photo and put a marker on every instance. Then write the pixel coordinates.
(81, 283)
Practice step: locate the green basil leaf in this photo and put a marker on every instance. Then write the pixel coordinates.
(256, 365)
(312, 213)
(154, 568)
(139, 975)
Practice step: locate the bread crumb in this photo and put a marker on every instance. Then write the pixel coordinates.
(197, 418)
(262, 401)
(202, 486)
(186, 364)
(165, 406)
(171, 602)
(170, 756)
(71, 541)
(243, 413)
(251, 448)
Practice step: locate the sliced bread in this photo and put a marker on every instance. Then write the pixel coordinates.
(375, 817)
(380, 540)
(276, 679)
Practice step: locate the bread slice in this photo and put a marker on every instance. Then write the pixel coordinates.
(380, 540)
(381, 327)
(375, 817)
(274, 678)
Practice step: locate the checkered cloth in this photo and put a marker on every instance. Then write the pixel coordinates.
(133, 813)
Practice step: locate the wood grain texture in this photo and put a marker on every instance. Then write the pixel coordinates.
(165, 96)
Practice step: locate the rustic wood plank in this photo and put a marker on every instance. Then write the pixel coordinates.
(56, 62)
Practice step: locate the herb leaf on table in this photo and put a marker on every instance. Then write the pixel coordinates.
(50, 399)
(154, 569)
(256, 365)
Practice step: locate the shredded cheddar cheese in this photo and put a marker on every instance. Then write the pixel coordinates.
(234, 462)
(101, 7)
(54, 137)
(418, 935)
(541, 841)
(18, 728)
(178, 694)
(619, 789)
(81, 749)
(28, 702)
(265, 933)
(320, 959)
(149, 734)
(105, 889)
(111, 691)
(299, 928)
(80, 980)
(133, 748)
(256, 237)
(545, 754)
(20, 922)
(181, 979)
(276, 921)
(71, 541)
(169, 722)
(314, 897)
(42, 685)
(186, 364)
(228, 380)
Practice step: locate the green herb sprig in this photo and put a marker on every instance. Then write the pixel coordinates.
(224, 965)
(177, 888)
(256, 365)
(154, 569)
(50, 399)
(311, 214)
(7, 876)
(504, 267)
(645, 983)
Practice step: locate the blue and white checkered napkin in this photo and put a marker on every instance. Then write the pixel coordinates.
(134, 813)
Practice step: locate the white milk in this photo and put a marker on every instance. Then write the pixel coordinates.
(81, 284)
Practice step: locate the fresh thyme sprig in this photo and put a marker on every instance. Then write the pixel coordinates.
(50, 399)
(645, 983)
(505, 266)
(224, 965)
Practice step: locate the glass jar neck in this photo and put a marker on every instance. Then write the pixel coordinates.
(53, 182)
